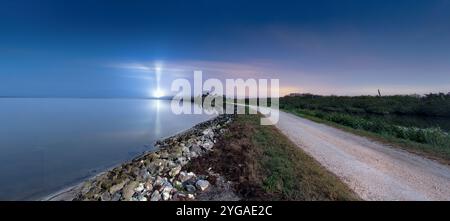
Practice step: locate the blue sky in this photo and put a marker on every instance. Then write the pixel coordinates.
(110, 48)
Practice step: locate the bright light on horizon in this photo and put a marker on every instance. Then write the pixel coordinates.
(158, 93)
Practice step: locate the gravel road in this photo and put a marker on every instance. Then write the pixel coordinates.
(373, 170)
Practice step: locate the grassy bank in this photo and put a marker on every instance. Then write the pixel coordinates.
(265, 165)
(432, 142)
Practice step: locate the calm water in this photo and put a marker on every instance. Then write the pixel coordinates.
(48, 144)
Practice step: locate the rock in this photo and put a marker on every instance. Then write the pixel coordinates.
(165, 196)
(178, 196)
(166, 190)
(190, 188)
(116, 197)
(159, 162)
(106, 196)
(161, 184)
(167, 161)
(197, 149)
(139, 188)
(194, 154)
(177, 185)
(151, 157)
(164, 155)
(186, 176)
(167, 187)
(156, 196)
(171, 164)
(160, 169)
(128, 190)
(207, 145)
(202, 185)
(135, 172)
(158, 182)
(185, 149)
(117, 187)
(191, 181)
(142, 198)
(144, 174)
(177, 151)
(149, 184)
(175, 171)
(182, 161)
(206, 132)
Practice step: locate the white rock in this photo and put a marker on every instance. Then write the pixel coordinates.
(167, 189)
(186, 176)
(202, 185)
(165, 196)
(208, 145)
(139, 188)
(207, 131)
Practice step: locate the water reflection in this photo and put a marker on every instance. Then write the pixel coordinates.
(157, 119)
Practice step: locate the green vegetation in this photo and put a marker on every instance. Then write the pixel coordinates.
(428, 105)
(289, 172)
(353, 112)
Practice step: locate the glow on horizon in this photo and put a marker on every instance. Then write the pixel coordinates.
(158, 93)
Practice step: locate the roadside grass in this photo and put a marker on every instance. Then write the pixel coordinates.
(436, 152)
(281, 168)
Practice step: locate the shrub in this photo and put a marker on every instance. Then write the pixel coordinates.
(432, 136)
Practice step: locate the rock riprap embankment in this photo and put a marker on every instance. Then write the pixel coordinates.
(159, 175)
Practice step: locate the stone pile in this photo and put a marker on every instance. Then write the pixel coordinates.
(158, 175)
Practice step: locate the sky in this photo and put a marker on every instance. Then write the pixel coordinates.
(114, 48)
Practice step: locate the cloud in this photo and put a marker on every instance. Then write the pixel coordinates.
(185, 68)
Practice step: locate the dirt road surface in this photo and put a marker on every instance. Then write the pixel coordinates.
(373, 170)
